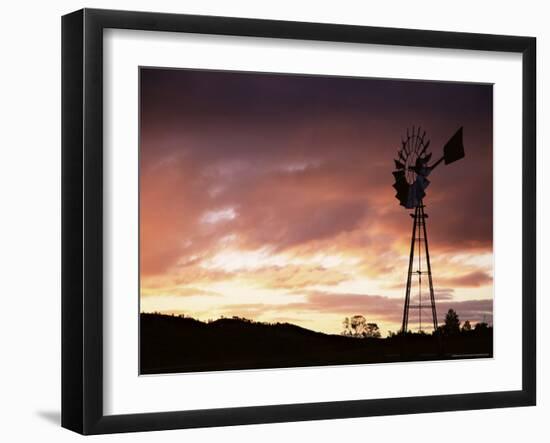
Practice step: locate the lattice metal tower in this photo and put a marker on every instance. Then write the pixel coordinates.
(411, 181)
(419, 242)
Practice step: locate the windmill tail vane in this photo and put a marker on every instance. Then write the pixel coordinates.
(412, 168)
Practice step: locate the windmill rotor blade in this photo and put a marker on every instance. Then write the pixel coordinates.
(399, 165)
(403, 197)
(425, 148)
(418, 140)
(401, 185)
(421, 183)
(412, 201)
(398, 174)
(427, 158)
(421, 142)
(454, 149)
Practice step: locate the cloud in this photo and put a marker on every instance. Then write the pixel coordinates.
(295, 276)
(332, 191)
(444, 294)
(217, 216)
(472, 279)
(178, 291)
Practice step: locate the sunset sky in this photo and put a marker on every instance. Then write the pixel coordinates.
(270, 197)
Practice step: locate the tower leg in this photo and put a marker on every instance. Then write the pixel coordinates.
(432, 297)
(405, 322)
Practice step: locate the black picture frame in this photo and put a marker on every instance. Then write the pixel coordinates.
(82, 218)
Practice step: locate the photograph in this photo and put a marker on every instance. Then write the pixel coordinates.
(293, 220)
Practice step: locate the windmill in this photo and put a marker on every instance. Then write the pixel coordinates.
(411, 181)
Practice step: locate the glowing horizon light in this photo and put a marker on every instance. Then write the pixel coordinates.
(234, 260)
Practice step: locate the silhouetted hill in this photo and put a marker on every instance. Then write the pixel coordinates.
(182, 344)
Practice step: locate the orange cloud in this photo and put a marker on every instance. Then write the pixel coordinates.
(472, 279)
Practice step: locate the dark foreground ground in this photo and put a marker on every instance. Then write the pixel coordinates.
(176, 344)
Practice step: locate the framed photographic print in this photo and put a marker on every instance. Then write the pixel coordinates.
(269, 221)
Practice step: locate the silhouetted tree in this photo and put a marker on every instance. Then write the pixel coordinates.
(466, 327)
(452, 323)
(372, 331)
(481, 327)
(358, 325)
(347, 327)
